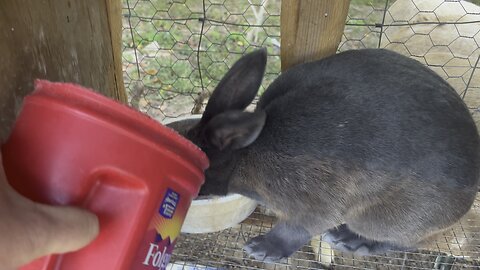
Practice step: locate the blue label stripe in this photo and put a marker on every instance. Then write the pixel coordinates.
(169, 203)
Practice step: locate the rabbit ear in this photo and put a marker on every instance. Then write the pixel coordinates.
(239, 86)
(234, 129)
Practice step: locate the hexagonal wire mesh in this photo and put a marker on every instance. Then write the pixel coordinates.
(176, 51)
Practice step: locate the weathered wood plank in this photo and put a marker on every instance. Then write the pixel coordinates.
(58, 40)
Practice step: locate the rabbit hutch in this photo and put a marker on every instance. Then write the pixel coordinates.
(173, 54)
(176, 51)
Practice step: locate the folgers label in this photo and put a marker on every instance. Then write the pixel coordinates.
(161, 237)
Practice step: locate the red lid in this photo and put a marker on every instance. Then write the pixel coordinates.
(120, 114)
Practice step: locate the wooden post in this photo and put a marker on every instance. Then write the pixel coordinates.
(311, 29)
(58, 40)
(114, 13)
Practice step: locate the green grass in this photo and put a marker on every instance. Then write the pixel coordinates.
(173, 69)
(221, 43)
(167, 47)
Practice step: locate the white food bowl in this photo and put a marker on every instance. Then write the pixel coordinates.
(217, 213)
(214, 213)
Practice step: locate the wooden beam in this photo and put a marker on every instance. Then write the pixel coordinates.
(311, 29)
(114, 13)
(70, 41)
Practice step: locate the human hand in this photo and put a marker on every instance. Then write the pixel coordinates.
(30, 230)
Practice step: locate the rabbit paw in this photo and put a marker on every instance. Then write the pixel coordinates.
(343, 239)
(279, 243)
(262, 249)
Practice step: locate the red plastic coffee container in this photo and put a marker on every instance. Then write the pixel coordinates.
(71, 146)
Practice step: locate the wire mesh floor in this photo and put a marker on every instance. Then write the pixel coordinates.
(459, 248)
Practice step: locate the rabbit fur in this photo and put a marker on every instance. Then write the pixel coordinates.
(368, 147)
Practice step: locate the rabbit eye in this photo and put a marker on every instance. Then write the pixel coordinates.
(191, 133)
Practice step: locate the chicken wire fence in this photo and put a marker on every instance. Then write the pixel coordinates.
(176, 51)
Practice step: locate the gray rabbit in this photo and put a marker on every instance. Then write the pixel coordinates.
(368, 147)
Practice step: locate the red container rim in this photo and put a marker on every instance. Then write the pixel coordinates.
(127, 117)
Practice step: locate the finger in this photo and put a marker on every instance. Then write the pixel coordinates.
(30, 230)
(70, 228)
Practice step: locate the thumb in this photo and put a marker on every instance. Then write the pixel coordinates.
(70, 228)
(32, 230)
(29, 230)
